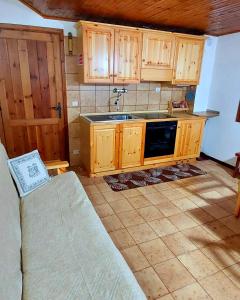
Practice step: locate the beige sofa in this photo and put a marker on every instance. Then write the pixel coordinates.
(54, 246)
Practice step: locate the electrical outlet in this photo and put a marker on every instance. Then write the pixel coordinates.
(76, 152)
(158, 90)
(74, 103)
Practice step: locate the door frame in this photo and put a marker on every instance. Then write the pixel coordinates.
(60, 32)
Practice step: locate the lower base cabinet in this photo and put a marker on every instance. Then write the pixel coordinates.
(109, 148)
(189, 138)
(105, 148)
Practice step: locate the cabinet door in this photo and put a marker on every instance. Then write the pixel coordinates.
(188, 60)
(98, 49)
(105, 148)
(157, 50)
(131, 145)
(127, 56)
(188, 139)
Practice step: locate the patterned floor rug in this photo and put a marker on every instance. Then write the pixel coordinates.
(125, 181)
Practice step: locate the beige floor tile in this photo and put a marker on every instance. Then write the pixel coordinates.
(135, 258)
(91, 189)
(232, 223)
(168, 209)
(233, 272)
(198, 264)
(226, 191)
(113, 196)
(139, 201)
(156, 251)
(173, 194)
(151, 283)
(150, 213)
(228, 204)
(166, 297)
(130, 218)
(163, 227)
(120, 205)
(218, 229)
(182, 221)
(191, 292)
(220, 253)
(156, 198)
(142, 233)
(103, 187)
(97, 199)
(130, 193)
(199, 215)
(199, 236)
(147, 189)
(173, 274)
(104, 210)
(122, 239)
(215, 211)
(112, 223)
(178, 243)
(162, 186)
(199, 201)
(219, 286)
(184, 204)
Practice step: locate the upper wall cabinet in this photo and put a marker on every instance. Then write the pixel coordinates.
(188, 59)
(98, 51)
(111, 54)
(127, 56)
(157, 56)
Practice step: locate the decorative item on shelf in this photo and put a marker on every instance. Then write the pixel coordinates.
(176, 106)
(70, 44)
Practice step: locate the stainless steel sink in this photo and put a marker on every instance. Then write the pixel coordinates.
(111, 117)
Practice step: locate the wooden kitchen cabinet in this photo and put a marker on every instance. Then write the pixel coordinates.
(157, 56)
(98, 51)
(188, 138)
(132, 137)
(188, 59)
(104, 150)
(127, 56)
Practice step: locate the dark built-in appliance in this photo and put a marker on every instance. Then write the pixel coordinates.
(160, 138)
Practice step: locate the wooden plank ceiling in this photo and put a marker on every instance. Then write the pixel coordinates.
(214, 17)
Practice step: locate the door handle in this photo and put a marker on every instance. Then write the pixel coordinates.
(58, 109)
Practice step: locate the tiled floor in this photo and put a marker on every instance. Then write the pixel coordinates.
(180, 238)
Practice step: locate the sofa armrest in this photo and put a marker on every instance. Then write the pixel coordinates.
(59, 165)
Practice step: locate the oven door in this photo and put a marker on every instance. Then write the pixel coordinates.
(160, 138)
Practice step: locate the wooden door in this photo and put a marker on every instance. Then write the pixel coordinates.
(131, 145)
(98, 48)
(188, 60)
(127, 56)
(31, 85)
(188, 139)
(105, 148)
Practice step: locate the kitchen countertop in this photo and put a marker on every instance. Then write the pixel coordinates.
(174, 117)
(207, 114)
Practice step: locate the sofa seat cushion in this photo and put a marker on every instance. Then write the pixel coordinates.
(66, 251)
(10, 234)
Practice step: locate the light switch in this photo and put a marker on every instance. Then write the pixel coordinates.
(158, 90)
(74, 103)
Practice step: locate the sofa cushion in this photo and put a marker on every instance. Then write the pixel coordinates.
(67, 253)
(10, 234)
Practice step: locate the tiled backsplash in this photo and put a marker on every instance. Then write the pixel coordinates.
(84, 98)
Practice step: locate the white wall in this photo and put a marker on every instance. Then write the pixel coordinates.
(203, 89)
(222, 134)
(14, 12)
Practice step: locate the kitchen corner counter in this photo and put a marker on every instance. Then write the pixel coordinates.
(207, 114)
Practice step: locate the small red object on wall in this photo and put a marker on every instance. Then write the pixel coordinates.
(80, 60)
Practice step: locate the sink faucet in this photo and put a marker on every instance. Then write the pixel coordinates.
(119, 93)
